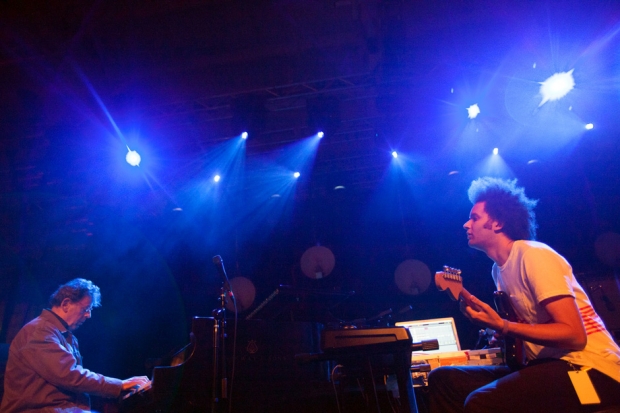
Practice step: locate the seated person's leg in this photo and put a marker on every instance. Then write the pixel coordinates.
(542, 387)
(449, 386)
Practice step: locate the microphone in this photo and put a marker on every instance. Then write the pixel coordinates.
(219, 266)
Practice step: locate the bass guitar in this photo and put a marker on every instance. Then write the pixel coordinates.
(451, 281)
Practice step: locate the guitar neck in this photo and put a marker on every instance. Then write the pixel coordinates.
(450, 280)
(466, 296)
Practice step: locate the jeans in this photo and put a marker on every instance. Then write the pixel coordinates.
(542, 386)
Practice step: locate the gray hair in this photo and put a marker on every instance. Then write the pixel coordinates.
(75, 290)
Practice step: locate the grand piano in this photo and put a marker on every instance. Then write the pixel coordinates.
(280, 367)
(275, 365)
(265, 375)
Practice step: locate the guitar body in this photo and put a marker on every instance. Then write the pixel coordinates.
(450, 281)
(513, 348)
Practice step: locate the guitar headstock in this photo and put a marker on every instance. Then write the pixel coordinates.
(449, 279)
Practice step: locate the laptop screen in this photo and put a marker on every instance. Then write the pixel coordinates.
(442, 329)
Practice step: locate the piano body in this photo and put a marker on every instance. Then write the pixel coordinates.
(184, 385)
(279, 366)
(266, 376)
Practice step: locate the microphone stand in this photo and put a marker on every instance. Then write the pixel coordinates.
(219, 390)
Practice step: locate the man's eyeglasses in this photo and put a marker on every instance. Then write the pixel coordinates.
(85, 310)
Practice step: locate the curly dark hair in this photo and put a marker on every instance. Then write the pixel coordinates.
(506, 203)
(75, 290)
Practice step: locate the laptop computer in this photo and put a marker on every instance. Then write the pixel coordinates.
(442, 329)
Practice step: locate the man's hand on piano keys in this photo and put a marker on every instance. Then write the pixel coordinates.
(135, 384)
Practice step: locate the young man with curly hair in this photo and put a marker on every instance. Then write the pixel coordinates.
(563, 337)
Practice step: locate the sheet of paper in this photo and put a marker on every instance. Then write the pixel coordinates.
(584, 388)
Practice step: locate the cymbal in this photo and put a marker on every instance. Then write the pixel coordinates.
(244, 292)
(317, 262)
(412, 277)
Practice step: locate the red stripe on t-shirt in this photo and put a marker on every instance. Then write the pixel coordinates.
(591, 320)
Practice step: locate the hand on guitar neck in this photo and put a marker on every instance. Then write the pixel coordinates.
(450, 281)
(478, 312)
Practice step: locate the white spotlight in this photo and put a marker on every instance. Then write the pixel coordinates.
(590, 126)
(320, 134)
(394, 154)
(133, 158)
(296, 175)
(217, 178)
(473, 111)
(244, 135)
(495, 151)
(556, 86)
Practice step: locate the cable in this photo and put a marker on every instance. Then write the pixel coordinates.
(334, 384)
(374, 385)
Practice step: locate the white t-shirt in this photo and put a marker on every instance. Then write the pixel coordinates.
(535, 272)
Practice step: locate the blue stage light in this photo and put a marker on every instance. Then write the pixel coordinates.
(556, 86)
(394, 154)
(133, 158)
(296, 175)
(217, 178)
(495, 151)
(244, 135)
(473, 111)
(590, 126)
(320, 134)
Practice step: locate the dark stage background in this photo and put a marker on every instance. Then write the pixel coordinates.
(81, 81)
